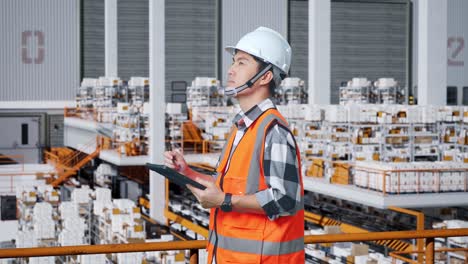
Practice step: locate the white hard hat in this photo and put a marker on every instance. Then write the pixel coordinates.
(268, 45)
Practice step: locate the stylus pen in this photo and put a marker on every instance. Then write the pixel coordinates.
(176, 167)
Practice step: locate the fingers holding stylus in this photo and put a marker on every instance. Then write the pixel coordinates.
(175, 160)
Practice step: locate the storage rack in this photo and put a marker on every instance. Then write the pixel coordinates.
(366, 139)
(127, 130)
(425, 142)
(291, 91)
(389, 92)
(205, 91)
(175, 119)
(84, 98)
(357, 91)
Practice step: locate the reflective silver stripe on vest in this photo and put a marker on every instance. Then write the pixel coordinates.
(226, 145)
(254, 169)
(265, 248)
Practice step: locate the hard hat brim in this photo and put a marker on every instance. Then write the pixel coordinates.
(230, 49)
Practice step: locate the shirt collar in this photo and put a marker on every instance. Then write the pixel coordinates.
(244, 120)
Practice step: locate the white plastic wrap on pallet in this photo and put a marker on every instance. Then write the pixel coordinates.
(42, 260)
(44, 188)
(336, 114)
(428, 114)
(44, 228)
(71, 238)
(370, 175)
(124, 205)
(42, 210)
(26, 193)
(293, 111)
(451, 224)
(173, 108)
(76, 224)
(132, 232)
(92, 259)
(106, 169)
(26, 239)
(449, 114)
(118, 222)
(102, 209)
(341, 249)
(68, 210)
(103, 194)
(134, 257)
(81, 195)
(361, 259)
(315, 113)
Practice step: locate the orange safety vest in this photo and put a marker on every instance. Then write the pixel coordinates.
(248, 237)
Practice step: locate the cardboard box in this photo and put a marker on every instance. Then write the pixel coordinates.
(330, 230)
(359, 249)
(340, 173)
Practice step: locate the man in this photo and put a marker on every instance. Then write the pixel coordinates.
(256, 196)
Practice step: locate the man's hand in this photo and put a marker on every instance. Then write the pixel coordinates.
(175, 160)
(211, 197)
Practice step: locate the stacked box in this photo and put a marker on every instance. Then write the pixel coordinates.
(68, 210)
(26, 194)
(42, 260)
(44, 228)
(341, 173)
(26, 239)
(316, 169)
(134, 257)
(449, 114)
(401, 177)
(336, 114)
(92, 259)
(81, 195)
(314, 113)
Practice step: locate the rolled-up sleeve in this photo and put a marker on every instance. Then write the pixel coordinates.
(283, 195)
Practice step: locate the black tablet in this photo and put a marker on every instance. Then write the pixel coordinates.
(174, 176)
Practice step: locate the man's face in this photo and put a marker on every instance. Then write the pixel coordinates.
(243, 67)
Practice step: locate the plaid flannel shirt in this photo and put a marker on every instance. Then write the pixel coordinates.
(283, 196)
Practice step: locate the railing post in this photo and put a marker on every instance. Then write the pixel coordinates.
(193, 256)
(419, 227)
(419, 242)
(429, 250)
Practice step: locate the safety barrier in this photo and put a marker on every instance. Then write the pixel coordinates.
(193, 246)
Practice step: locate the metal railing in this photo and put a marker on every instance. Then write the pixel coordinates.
(193, 246)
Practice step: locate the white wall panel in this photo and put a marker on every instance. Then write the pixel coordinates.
(457, 44)
(298, 38)
(92, 38)
(190, 41)
(242, 16)
(368, 39)
(21, 142)
(39, 54)
(133, 38)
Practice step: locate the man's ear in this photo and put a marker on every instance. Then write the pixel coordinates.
(266, 78)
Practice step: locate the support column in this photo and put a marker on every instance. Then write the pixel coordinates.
(319, 51)
(158, 106)
(432, 52)
(110, 38)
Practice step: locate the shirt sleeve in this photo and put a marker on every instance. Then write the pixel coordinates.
(283, 196)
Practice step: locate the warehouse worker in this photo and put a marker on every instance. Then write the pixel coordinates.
(256, 195)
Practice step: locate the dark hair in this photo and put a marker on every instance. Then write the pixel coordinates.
(261, 65)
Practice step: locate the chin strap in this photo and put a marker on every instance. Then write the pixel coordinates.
(234, 91)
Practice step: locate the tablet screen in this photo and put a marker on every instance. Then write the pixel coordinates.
(174, 176)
